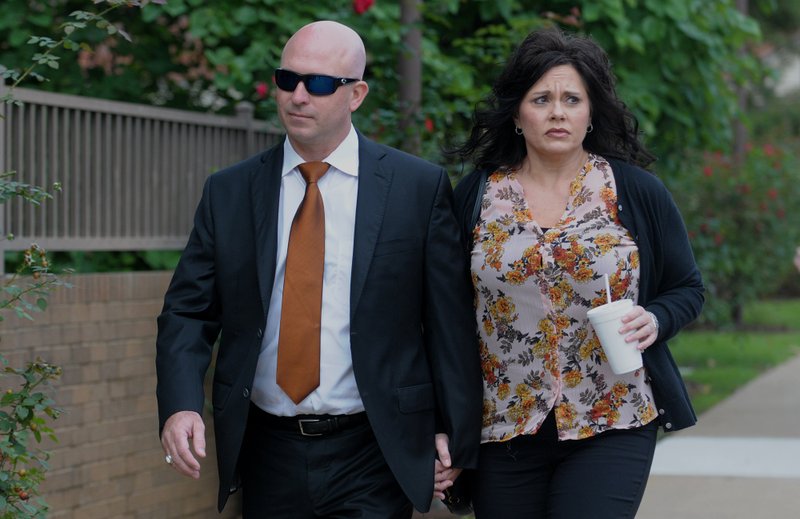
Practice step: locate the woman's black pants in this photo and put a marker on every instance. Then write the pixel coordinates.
(538, 477)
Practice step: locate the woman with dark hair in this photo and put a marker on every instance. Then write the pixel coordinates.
(558, 201)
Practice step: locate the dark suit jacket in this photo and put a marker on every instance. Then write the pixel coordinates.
(413, 337)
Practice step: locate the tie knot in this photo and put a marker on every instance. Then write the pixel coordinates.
(313, 171)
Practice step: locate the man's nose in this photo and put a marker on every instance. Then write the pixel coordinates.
(300, 94)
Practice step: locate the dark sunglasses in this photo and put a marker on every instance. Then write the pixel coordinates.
(316, 84)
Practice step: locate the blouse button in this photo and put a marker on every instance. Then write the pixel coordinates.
(246, 393)
(619, 207)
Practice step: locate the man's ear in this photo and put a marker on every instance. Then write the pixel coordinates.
(360, 91)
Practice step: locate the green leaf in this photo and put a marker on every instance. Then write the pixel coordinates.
(245, 15)
(591, 12)
(82, 15)
(174, 8)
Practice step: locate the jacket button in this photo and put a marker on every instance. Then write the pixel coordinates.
(661, 411)
(246, 393)
(668, 425)
(259, 333)
(619, 207)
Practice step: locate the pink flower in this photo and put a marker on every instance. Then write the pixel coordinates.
(361, 6)
(769, 150)
(261, 89)
(429, 124)
(707, 171)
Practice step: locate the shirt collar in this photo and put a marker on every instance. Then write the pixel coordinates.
(344, 158)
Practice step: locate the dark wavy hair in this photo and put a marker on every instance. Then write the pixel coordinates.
(492, 143)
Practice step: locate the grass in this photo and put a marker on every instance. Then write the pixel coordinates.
(779, 313)
(716, 363)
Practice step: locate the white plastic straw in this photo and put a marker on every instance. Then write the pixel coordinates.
(608, 288)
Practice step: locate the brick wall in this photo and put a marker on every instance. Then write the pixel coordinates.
(108, 462)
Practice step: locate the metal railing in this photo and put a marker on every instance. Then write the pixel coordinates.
(131, 174)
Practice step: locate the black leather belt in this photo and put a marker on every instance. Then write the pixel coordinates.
(309, 425)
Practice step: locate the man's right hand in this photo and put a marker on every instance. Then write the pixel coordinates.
(179, 429)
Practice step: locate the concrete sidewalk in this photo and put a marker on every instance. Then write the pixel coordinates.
(741, 461)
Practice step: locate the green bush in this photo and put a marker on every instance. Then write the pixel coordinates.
(24, 413)
(743, 224)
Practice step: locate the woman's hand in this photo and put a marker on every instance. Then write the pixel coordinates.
(640, 325)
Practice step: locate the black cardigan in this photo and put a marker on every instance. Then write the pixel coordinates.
(670, 284)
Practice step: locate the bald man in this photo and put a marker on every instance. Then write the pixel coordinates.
(395, 411)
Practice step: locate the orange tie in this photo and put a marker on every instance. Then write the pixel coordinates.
(298, 343)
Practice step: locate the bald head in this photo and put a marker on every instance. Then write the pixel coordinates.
(331, 42)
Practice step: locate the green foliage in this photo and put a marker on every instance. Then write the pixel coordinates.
(777, 119)
(25, 292)
(24, 415)
(102, 60)
(33, 194)
(678, 61)
(81, 262)
(743, 224)
(780, 18)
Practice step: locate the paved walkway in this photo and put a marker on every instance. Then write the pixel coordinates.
(741, 461)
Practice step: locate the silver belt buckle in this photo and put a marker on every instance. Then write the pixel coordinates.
(302, 421)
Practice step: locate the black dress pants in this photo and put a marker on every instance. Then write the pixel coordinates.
(538, 477)
(338, 475)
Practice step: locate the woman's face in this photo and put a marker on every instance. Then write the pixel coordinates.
(555, 113)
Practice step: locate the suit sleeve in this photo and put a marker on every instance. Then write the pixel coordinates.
(450, 331)
(188, 325)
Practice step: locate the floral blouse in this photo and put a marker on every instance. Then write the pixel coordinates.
(533, 288)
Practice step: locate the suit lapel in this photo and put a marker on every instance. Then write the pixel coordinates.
(374, 180)
(265, 193)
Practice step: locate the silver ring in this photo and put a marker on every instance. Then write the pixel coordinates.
(168, 459)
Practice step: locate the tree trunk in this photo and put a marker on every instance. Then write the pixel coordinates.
(410, 75)
(739, 130)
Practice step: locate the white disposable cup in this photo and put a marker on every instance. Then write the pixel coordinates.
(606, 320)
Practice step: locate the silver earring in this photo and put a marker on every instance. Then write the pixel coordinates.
(518, 130)
(590, 128)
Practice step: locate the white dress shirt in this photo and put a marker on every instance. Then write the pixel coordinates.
(337, 392)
